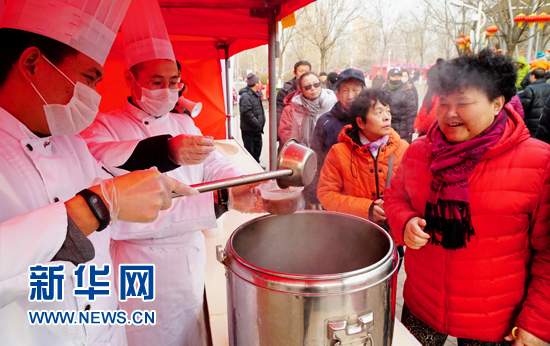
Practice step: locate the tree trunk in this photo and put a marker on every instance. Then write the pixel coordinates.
(323, 59)
(280, 64)
(382, 59)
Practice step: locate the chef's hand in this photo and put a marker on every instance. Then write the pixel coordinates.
(246, 199)
(378, 214)
(140, 195)
(190, 150)
(414, 236)
(524, 338)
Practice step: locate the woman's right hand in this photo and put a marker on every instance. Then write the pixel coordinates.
(378, 214)
(414, 236)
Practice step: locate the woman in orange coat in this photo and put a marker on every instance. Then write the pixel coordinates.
(355, 173)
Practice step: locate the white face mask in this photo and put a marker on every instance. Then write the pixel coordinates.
(404, 79)
(75, 116)
(156, 102)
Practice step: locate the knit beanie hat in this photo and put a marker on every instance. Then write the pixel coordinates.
(540, 55)
(540, 64)
(252, 79)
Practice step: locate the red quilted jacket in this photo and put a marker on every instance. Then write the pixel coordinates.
(502, 278)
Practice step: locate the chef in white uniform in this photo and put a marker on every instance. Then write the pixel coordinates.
(143, 133)
(51, 60)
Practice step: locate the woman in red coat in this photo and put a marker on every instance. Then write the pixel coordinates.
(471, 201)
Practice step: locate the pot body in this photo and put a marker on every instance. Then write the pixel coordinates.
(310, 278)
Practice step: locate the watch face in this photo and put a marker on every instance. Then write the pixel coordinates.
(98, 208)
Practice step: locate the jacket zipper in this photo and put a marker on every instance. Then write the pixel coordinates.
(376, 172)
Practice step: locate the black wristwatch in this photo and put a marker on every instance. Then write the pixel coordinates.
(101, 212)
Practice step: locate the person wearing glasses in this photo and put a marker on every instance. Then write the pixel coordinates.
(143, 133)
(300, 115)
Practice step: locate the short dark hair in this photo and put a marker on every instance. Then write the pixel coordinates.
(364, 102)
(14, 42)
(308, 73)
(300, 63)
(494, 74)
(323, 74)
(538, 73)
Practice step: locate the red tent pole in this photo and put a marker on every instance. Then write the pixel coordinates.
(272, 41)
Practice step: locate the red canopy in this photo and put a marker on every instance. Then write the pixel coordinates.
(199, 31)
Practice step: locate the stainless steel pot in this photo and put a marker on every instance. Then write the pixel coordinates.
(311, 278)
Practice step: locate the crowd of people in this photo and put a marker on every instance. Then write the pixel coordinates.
(469, 199)
(94, 191)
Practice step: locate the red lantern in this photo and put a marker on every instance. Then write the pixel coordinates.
(523, 52)
(543, 18)
(492, 30)
(532, 18)
(520, 18)
(467, 40)
(499, 51)
(460, 43)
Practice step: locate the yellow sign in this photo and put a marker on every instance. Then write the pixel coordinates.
(289, 21)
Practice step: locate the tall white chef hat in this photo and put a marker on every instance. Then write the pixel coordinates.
(89, 26)
(144, 34)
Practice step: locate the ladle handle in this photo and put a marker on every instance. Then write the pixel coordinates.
(242, 180)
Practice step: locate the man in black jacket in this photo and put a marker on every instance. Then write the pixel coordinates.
(300, 68)
(403, 106)
(252, 116)
(378, 81)
(533, 98)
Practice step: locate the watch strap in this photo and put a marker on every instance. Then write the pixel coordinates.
(98, 208)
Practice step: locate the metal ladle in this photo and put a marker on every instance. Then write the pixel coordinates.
(296, 166)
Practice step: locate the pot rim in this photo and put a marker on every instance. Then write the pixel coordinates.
(229, 249)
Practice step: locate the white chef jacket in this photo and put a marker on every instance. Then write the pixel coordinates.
(173, 242)
(34, 173)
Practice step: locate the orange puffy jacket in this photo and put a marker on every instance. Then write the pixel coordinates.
(339, 190)
(502, 278)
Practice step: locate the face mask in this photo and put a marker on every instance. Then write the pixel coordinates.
(395, 82)
(156, 102)
(404, 79)
(75, 116)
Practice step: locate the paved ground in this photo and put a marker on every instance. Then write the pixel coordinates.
(264, 161)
